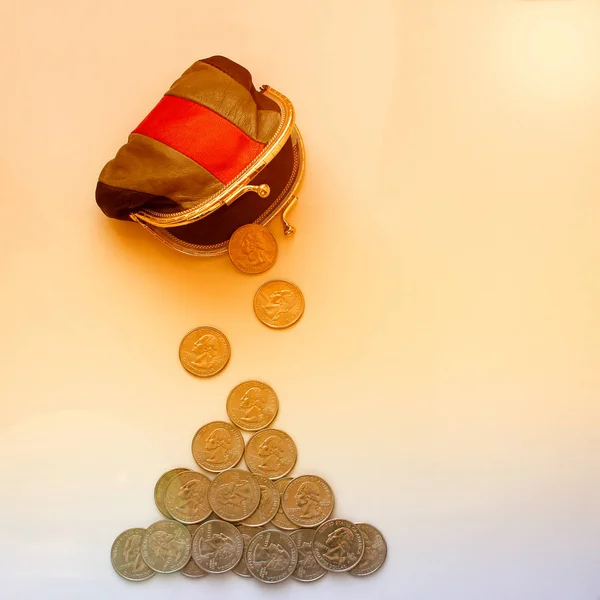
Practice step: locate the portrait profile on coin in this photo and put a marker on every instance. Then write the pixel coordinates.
(191, 495)
(255, 248)
(308, 498)
(339, 544)
(132, 555)
(279, 303)
(233, 494)
(252, 404)
(167, 545)
(271, 451)
(206, 351)
(218, 546)
(273, 557)
(218, 444)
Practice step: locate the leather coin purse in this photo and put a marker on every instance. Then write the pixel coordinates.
(213, 155)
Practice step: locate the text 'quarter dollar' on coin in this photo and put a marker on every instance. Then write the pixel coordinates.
(307, 569)
(166, 546)
(280, 520)
(234, 495)
(279, 304)
(252, 405)
(247, 533)
(308, 501)
(253, 249)
(204, 352)
(186, 497)
(271, 453)
(375, 551)
(126, 556)
(217, 446)
(217, 546)
(338, 545)
(272, 556)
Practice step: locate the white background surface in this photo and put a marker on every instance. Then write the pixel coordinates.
(445, 376)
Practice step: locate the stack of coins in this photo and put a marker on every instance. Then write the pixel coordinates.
(258, 522)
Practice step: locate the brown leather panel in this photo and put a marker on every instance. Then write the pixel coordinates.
(215, 89)
(117, 203)
(243, 77)
(148, 166)
(220, 225)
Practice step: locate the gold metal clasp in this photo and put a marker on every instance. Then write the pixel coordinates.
(263, 190)
(287, 228)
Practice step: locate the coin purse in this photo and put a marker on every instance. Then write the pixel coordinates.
(214, 154)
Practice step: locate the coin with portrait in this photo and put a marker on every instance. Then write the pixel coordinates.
(307, 569)
(217, 546)
(338, 545)
(126, 556)
(186, 497)
(268, 505)
(234, 495)
(166, 546)
(247, 533)
(252, 405)
(279, 304)
(308, 501)
(271, 556)
(252, 249)
(271, 453)
(217, 446)
(280, 520)
(161, 487)
(375, 551)
(191, 569)
(204, 351)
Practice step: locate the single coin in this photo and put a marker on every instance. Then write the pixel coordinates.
(271, 556)
(279, 304)
(271, 453)
(217, 446)
(338, 545)
(234, 495)
(186, 497)
(268, 506)
(375, 551)
(217, 546)
(166, 546)
(252, 405)
(280, 520)
(191, 569)
(307, 569)
(308, 501)
(204, 351)
(161, 487)
(253, 249)
(126, 556)
(247, 533)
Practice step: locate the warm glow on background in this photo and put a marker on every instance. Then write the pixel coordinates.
(445, 377)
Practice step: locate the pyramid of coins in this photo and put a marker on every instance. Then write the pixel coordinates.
(259, 522)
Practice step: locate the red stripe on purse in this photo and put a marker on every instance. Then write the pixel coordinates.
(202, 135)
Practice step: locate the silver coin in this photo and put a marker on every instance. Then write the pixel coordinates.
(280, 520)
(338, 545)
(126, 556)
(161, 487)
(271, 453)
(307, 569)
(217, 446)
(191, 569)
(247, 533)
(268, 505)
(186, 497)
(217, 546)
(234, 495)
(166, 546)
(271, 556)
(375, 551)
